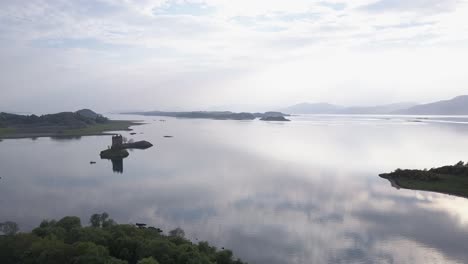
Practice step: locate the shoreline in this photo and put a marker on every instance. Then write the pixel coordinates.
(450, 180)
(398, 186)
(95, 130)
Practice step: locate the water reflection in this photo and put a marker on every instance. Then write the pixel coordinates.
(305, 192)
(117, 165)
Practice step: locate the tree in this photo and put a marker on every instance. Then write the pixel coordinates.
(69, 222)
(89, 253)
(149, 260)
(101, 220)
(48, 251)
(9, 228)
(107, 223)
(224, 257)
(67, 242)
(112, 260)
(95, 220)
(178, 232)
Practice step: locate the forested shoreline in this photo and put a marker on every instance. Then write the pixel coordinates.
(67, 241)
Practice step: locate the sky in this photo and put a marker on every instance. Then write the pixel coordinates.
(114, 55)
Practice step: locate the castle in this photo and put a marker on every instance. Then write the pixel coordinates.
(117, 142)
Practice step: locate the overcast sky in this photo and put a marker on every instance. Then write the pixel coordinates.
(194, 54)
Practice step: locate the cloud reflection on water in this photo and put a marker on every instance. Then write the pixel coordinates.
(299, 193)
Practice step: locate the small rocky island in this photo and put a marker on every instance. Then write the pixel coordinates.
(118, 151)
(119, 148)
(452, 179)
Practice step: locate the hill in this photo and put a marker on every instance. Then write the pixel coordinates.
(455, 106)
(375, 110)
(326, 108)
(79, 119)
(88, 114)
(79, 123)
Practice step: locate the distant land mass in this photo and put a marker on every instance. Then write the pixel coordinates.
(451, 179)
(326, 108)
(376, 110)
(80, 123)
(455, 106)
(218, 115)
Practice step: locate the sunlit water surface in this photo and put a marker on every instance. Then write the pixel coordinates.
(306, 191)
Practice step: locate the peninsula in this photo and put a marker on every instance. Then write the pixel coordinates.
(84, 122)
(451, 179)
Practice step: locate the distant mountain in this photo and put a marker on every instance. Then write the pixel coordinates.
(455, 106)
(311, 108)
(375, 110)
(325, 108)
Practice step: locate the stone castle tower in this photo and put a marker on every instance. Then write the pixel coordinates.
(117, 141)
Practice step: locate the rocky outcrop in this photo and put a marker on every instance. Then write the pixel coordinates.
(137, 145)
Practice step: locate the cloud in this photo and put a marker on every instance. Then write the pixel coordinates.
(184, 8)
(426, 6)
(152, 44)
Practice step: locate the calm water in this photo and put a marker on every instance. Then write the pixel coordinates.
(307, 191)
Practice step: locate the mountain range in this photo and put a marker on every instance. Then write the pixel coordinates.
(455, 106)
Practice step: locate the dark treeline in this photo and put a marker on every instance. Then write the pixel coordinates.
(103, 242)
(433, 174)
(80, 118)
(459, 169)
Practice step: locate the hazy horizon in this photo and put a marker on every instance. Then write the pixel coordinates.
(117, 55)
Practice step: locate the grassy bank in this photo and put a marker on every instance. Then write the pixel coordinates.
(100, 128)
(6, 131)
(58, 131)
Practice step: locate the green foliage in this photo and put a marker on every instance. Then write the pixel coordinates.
(101, 220)
(105, 242)
(452, 179)
(81, 123)
(69, 222)
(178, 232)
(149, 260)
